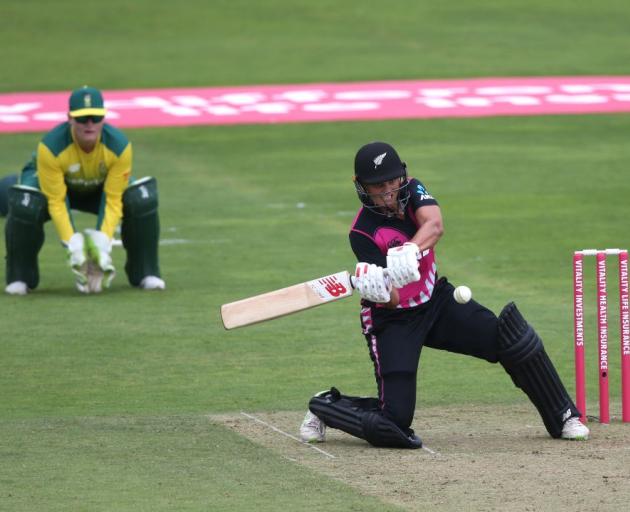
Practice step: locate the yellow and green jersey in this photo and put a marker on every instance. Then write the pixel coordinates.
(62, 166)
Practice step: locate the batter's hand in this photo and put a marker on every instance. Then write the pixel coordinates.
(372, 283)
(402, 264)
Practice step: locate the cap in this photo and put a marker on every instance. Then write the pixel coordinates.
(377, 162)
(86, 101)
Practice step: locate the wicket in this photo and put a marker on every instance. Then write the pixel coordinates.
(602, 331)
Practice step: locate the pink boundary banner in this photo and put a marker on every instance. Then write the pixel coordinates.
(302, 103)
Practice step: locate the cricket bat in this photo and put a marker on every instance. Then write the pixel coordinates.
(287, 300)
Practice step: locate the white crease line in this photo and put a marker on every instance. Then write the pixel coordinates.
(287, 434)
(429, 450)
(117, 242)
(173, 241)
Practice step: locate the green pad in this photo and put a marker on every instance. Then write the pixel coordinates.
(140, 231)
(5, 184)
(24, 233)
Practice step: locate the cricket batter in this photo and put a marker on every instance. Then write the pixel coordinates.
(406, 305)
(83, 164)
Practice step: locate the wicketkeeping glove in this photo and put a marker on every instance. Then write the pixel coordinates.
(372, 283)
(94, 278)
(77, 260)
(99, 249)
(402, 264)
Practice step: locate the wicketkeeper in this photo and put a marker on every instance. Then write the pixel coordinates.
(83, 164)
(406, 306)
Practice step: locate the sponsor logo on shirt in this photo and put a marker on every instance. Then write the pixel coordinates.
(83, 183)
(423, 193)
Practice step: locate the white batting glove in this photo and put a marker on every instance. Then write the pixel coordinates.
(372, 283)
(99, 249)
(402, 264)
(77, 259)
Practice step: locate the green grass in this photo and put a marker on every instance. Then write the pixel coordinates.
(154, 463)
(116, 388)
(227, 42)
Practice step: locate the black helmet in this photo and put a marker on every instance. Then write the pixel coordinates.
(377, 162)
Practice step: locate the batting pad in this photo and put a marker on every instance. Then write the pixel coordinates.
(362, 418)
(523, 356)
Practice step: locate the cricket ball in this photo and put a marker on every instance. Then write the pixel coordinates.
(462, 294)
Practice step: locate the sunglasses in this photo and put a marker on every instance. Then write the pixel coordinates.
(85, 119)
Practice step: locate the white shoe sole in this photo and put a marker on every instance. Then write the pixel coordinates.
(16, 288)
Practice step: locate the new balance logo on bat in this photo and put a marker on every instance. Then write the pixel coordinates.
(331, 287)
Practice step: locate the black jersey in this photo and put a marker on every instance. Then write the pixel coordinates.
(372, 235)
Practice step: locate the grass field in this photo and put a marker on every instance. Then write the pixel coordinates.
(106, 402)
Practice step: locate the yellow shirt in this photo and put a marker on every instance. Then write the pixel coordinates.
(62, 165)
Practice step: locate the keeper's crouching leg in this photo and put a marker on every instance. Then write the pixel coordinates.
(362, 418)
(24, 234)
(5, 185)
(523, 356)
(140, 230)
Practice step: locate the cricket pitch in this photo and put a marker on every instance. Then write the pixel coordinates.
(481, 458)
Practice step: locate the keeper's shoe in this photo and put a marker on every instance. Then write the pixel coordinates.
(152, 283)
(17, 288)
(312, 429)
(575, 430)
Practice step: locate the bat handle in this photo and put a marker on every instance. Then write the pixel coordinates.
(421, 255)
(388, 281)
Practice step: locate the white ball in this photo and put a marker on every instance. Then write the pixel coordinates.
(462, 294)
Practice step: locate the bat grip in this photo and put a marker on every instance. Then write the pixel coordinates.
(388, 281)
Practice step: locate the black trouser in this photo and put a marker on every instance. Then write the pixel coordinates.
(396, 337)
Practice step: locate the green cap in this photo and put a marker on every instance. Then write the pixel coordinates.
(86, 101)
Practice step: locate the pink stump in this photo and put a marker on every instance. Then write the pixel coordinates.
(602, 335)
(625, 336)
(578, 331)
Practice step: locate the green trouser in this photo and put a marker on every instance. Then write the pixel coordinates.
(24, 234)
(140, 230)
(28, 211)
(5, 184)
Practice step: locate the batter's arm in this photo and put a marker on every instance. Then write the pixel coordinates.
(394, 299)
(429, 219)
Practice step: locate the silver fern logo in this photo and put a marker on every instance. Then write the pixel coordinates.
(379, 160)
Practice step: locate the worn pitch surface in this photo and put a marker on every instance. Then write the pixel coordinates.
(475, 458)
